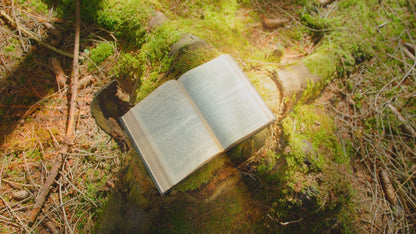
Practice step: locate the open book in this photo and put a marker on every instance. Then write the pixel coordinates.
(184, 123)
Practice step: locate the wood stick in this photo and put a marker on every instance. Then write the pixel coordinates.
(408, 53)
(406, 127)
(44, 190)
(34, 36)
(59, 73)
(50, 180)
(82, 83)
(74, 80)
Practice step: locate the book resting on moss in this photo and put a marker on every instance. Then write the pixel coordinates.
(184, 123)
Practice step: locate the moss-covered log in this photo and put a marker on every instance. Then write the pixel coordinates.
(215, 179)
(304, 80)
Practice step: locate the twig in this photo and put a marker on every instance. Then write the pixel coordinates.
(74, 80)
(1, 170)
(78, 190)
(408, 53)
(290, 222)
(55, 142)
(44, 190)
(41, 219)
(63, 210)
(59, 73)
(34, 36)
(14, 214)
(50, 180)
(405, 126)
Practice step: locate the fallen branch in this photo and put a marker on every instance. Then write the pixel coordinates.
(59, 73)
(74, 80)
(85, 81)
(406, 128)
(408, 53)
(44, 191)
(34, 36)
(410, 47)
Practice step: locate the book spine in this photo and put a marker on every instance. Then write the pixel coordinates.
(141, 156)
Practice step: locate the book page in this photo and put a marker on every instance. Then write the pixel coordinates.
(225, 97)
(170, 135)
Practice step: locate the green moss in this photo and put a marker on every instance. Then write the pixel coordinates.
(202, 175)
(311, 182)
(35, 5)
(322, 64)
(227, 213)
(190, 58)
(187, 59)
(311, 133)
(10, 48)
(135, 193)
(154, 53)
(127, 18)
(100, 53)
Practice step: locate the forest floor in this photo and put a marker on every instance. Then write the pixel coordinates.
(33, 114)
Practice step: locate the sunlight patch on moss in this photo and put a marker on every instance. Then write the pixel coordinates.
(201, 176)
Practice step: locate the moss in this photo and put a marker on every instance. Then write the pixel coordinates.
(202, 175)
(227, 213)
(322, 64)
(311, 182)
(127, 18)
(312, 132)
(135, 193)
(154, 54)
(187, 58)
(100, 53)
(38, 6)
(190, 58)
(128, 72)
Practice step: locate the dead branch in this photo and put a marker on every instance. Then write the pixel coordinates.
(406, 128)
(59, 73)
(85, 81)
(410, 47)
(54, 32)
(33, 35)
(74, 81)
(44, 191)
(408, 53)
